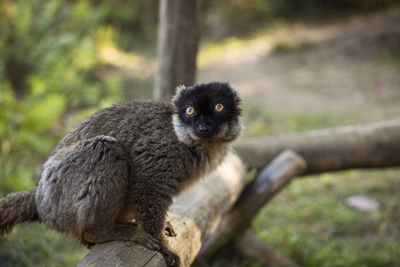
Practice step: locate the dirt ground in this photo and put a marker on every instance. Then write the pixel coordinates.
(348, 67)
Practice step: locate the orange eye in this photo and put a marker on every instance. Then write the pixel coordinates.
(190, 111)
(219, 107)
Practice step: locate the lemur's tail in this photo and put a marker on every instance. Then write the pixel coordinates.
(17, 208)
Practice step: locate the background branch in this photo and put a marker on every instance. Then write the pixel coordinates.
(360, 146)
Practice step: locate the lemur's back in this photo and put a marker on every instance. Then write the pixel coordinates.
(127, 122)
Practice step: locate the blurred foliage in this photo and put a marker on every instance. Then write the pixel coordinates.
(135, 20)
(51, 72)
(49, 65)
(297, 9)
(245, 17)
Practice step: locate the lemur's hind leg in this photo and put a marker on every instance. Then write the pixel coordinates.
(83, 190)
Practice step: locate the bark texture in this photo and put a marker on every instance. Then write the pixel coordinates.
(178, 37)
(373, 145)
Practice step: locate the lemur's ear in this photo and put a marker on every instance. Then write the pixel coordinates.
(178, 93)
(235, 93)
(236, 96)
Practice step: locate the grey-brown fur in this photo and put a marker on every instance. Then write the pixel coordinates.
(121, 165)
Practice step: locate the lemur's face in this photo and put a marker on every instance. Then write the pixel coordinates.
(207, 112)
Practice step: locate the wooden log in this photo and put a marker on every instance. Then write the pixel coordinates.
(268, 182)
(195, 215)
(373, 145)
(178, 38)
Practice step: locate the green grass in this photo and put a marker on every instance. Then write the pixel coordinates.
(310, 223)
(36, 245)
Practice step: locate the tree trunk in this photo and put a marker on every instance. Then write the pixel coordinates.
(373, 145)
(178, 38)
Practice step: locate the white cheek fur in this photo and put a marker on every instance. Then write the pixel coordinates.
(181, 130)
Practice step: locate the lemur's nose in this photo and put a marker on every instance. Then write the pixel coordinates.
(203, 129)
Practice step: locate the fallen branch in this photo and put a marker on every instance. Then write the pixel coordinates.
(373, 145)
